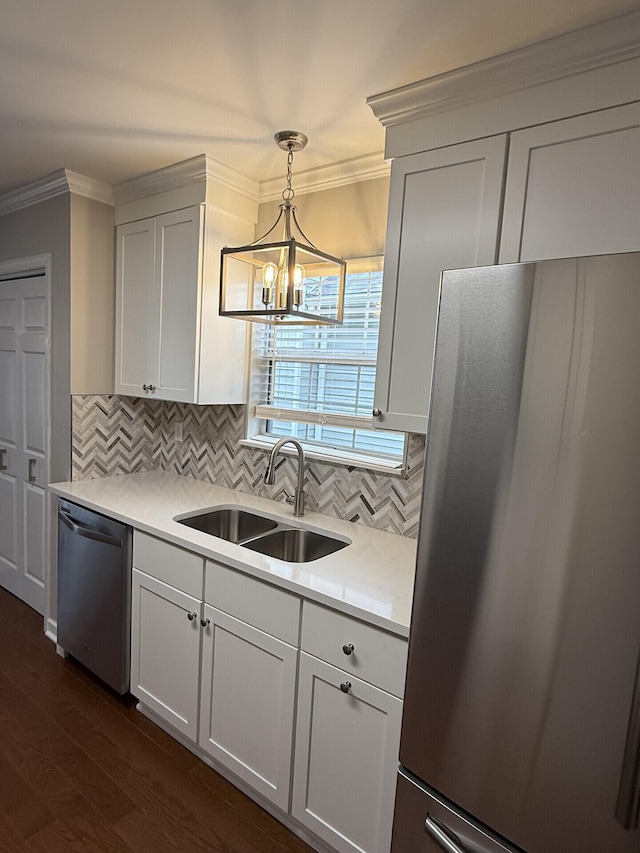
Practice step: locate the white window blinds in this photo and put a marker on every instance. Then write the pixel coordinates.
(316, 383)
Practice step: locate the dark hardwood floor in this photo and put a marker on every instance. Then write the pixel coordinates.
(81, 771)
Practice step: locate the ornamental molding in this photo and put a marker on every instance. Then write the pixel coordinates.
(339, 174)
(196, 170)
(586, 49)
(57, 183)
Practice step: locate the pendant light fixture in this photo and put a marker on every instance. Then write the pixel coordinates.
(285, 282)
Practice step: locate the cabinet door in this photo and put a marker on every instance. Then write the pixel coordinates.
(136, 308)
(165, 651)
(346, 758)
(247, 706)
(178, 265)
(573, 188)
(444, 210)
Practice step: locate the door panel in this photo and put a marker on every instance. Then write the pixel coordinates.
(567, 190)
(178, 272)
(24, 427)
(136, 363)
(248, 698)
(444, 213)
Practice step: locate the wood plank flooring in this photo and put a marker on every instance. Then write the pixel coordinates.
(81, 771)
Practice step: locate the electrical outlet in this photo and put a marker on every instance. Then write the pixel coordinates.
(178, 432)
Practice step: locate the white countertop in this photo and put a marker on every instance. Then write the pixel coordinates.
(371, 579)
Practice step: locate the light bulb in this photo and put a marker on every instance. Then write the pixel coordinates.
(269, 275)
(298, 279)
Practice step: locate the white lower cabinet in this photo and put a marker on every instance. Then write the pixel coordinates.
(350, 681)
(232, 680)
(247, 703)
(346, 760)
(165, 651)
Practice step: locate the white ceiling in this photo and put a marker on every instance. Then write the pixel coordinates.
(115, 88)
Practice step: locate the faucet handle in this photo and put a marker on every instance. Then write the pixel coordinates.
(290, 499)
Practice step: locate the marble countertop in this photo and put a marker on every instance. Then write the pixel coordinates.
(371, 579)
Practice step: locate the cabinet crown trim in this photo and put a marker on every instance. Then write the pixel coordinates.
(586, 49)
(57, 183)
(199, 169)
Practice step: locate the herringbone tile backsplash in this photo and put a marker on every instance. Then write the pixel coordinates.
(122, 435)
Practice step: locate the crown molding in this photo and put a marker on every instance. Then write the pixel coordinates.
(193, 171)
(328, 177)
(57, 183)
(582, 50)
(196, 170)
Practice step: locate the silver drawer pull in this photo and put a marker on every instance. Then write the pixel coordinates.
(345, 686)
(32, 471)
(191, 616)
(444, 839)
(205, 622)
(348, 648)
(3, 464)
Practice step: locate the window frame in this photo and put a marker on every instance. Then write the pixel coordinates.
(258, 413)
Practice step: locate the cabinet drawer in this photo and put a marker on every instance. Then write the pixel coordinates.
(377, 656)
(175, 566)
(256, 602)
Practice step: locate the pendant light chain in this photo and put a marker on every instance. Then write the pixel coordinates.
(288, 193)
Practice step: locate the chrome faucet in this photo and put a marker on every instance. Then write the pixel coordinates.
(270, 474)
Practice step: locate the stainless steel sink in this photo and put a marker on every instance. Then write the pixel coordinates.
(264, 535)
(295, 545)
(233, 524)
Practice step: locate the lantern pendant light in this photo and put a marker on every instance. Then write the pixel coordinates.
(285, 282)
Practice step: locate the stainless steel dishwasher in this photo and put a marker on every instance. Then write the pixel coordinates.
(94, 592)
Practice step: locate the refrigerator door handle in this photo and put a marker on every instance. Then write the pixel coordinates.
(444, 838)
(628, 803)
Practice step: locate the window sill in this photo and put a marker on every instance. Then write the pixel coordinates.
(331, 456)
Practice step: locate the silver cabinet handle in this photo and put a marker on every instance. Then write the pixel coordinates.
(149, 387)
(205, 622)
(32, 471)
(191, 616)
(376, 413)
(3, 464)
(345, 686)
(446, 840)
(348, 648)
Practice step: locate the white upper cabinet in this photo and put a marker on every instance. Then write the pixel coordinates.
(171, 343)
(569, 187)
(444, 213)
(525, 156)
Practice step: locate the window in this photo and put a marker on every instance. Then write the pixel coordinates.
(315, 383)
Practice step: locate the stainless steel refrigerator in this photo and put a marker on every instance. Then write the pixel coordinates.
(521, 726)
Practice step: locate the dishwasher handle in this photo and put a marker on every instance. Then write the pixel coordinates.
(88, 532)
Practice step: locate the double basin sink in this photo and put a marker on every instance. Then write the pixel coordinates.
(264, 535)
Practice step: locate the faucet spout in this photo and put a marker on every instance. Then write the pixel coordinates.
(270, 473)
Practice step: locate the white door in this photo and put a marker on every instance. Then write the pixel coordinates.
(137, 318)
(165, 651)
(572, 188)
(346, 758)
(444, 213)
(248, 700)
(178, 270)
(24, 431)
